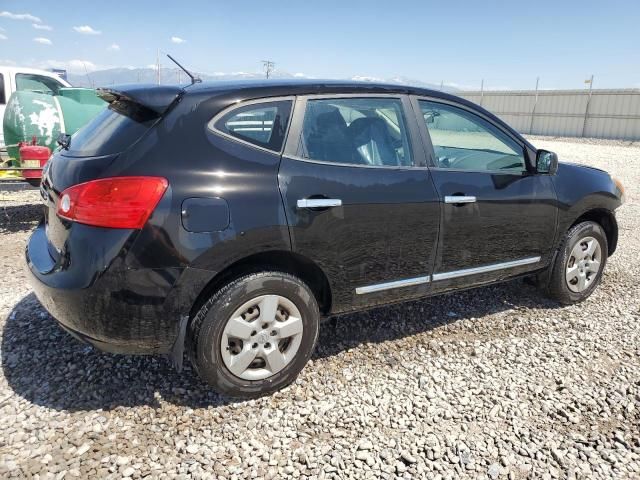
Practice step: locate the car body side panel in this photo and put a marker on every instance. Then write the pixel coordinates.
(581, 189)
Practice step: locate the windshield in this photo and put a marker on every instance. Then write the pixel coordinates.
(114, 130)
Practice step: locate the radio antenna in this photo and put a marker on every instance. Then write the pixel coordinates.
(193, 78)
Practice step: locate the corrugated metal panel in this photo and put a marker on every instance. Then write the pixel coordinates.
(600, 114)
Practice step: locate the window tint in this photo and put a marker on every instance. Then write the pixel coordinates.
(3, 100)
(262, 124)
(114, 130)
(360, 131)
(464, 141)
(26, 81)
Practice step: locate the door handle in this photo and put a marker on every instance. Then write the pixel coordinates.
(459, 199)
(319, 202)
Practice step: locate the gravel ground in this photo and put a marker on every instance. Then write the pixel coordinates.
(491, 383)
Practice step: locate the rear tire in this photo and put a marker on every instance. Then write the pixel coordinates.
(578, 268)
(255, 335)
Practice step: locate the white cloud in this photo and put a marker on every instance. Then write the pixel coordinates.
(3, 36)
(73, 66)
(364, 78)
(87, 30)
(20, 16)
(43, 41)
(114, 47)
(41, 26)
(178, 40)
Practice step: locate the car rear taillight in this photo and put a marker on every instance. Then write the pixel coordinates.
(118, 202)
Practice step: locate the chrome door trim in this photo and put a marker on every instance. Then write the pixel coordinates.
(484, 269)
(459, 199)
(319, 202)
(378, 287)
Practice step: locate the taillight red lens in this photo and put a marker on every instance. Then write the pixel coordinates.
(118, 202)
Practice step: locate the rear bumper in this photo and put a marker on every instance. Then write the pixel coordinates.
(98, 299)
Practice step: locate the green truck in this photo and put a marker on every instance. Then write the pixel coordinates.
(38, 104)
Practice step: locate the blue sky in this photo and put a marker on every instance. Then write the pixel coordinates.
(508, 44)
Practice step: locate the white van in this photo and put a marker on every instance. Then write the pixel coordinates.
(18, 78)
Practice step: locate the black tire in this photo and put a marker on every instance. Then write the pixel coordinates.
(207, 327)
(557, 287)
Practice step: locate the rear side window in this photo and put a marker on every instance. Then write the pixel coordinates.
(37, 83)
(358, 131)
(3, 100)
(263, 124)
(114, 130)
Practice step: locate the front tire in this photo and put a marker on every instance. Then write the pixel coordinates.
(578, 268)
(255, 335)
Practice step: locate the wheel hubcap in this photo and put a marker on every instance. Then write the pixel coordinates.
(583, 265)
(261, 337)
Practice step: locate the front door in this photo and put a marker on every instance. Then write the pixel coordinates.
(358, 197)
(498, 216)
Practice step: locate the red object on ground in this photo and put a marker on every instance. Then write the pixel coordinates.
(32, 155)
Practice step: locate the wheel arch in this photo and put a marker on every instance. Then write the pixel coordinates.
(279, 260)
(607, 220)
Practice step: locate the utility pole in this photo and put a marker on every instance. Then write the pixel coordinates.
(533, 110)
(441, 84)
(269, 66)
(586, 110)
(481, 91)
(158, 63)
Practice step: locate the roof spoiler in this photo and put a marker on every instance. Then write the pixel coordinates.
(154, 97)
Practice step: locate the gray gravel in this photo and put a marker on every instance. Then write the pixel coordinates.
(492, 383)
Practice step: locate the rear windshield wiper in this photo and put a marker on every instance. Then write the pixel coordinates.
(64, 140)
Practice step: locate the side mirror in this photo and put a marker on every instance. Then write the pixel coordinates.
(546, 162)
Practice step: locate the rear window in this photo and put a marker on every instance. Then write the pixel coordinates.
(114, 130)
(263, 124)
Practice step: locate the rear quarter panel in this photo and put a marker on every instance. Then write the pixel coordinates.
(200, 163)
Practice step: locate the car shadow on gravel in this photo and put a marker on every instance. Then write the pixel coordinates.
(46, 366)
(20, 218)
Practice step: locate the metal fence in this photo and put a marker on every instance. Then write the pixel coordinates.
(611, 114)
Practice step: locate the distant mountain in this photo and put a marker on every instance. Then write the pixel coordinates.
(115, 76)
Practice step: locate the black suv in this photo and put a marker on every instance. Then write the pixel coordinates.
(226, 219)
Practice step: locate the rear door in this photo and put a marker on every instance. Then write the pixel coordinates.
(358, 197)
(498, 215)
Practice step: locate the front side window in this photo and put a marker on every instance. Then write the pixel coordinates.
(358, 131)
(37, 83)
(263, 124)
(464, 141)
